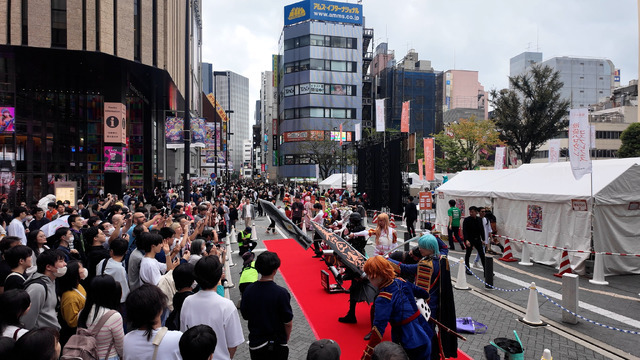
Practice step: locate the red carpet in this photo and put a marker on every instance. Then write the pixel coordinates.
(302, 274)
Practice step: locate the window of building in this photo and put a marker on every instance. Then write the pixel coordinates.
(137, 30)
(419, 82)
(321, 40)
(59, 23)
(25, 23)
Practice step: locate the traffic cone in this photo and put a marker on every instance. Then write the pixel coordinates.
(375, 218)
(254, 232)
(598, 272)
(525, 258)
(461, 281)
(392, 221)
(233, 235)
(532, 317)
(565, 265)
(546, 355)
(508, 253)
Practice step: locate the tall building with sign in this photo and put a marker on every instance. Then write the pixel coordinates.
(89, 84)
(319, 82)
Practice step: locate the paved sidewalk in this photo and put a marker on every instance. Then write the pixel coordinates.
(500, 311)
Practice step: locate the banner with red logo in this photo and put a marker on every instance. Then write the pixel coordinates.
(404, 119)
(579, 139)
(429, 161)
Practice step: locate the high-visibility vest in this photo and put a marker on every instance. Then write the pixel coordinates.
(242, 236)
(249, 274)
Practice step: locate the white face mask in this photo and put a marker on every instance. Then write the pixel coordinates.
(60, 272)
(84, 273)
(108, 232)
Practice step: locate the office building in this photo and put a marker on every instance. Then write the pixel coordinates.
(586, 80)
(464, 96)
(90, 84)
(319, 81)
(268, 122)
(232, 93)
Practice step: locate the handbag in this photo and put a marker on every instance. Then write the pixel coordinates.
(470, 326)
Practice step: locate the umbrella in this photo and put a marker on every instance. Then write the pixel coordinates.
(347, 254)
(286, 224)
(50, 228)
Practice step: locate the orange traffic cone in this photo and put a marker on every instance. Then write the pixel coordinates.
(375, 218)
(565, 265)
(392, 221)
(508, 253)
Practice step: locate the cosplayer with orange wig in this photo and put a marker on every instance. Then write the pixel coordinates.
(395, 304)
(385, 235)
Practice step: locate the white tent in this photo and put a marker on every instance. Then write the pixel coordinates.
(335, 182)
(547, 190)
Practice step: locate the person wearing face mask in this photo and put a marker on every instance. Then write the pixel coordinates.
(16, 226)
(39, 220)
(42, 291)
(73, 298)
(61, 240)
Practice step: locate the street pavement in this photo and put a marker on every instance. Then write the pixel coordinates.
(616, 305)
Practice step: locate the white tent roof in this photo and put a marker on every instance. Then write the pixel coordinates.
(551, 182)
(335, 182)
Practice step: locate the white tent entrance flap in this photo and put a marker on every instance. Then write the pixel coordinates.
(534, 203)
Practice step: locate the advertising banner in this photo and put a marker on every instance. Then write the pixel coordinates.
(579, 134)
(380, 125)
(420, 170)
(499, 161)
(358, 132)
(173, 132)
(534, 217)
(554, 150)
(404, 119)
(212, 137)
(115, 159)
(115, 123)
(7, 119)
(198, 132)
(218, 107)
(429, 161)
(322, 10)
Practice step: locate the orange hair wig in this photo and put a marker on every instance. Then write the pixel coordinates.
(383, 224)
(379, 267)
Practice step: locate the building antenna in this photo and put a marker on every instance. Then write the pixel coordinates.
(537, 38)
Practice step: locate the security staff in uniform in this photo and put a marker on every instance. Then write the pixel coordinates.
(244, 241)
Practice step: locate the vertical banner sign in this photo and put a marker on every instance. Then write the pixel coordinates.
(420, 169)
(173, 133)
(358, 131)
(579, 142)
(592, 142)
(340, 134)
(429, 160)
(498, 165)
(8, 122)
(198, 133)
(404, 119)
(115, 123)
(554, 150)
(380, 115)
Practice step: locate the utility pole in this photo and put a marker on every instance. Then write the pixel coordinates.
(187, 99)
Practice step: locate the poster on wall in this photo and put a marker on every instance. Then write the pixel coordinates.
(7, 119)
(534, 217)
(66, 190)
(7, 180)
(115, 159)
(198, 132)
(460, 205)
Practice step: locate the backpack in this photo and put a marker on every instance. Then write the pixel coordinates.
(83, 345)
(40, 281)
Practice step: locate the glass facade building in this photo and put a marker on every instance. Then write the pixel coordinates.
(319, 82)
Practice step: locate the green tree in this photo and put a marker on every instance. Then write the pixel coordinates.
(630, 141)
(324, 153)
(464, 144)
(531, 111)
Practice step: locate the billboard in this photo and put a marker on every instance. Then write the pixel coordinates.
(115, 159)
(173, 132)
(7, 119)
(324, 11)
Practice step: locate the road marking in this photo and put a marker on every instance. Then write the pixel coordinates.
(598, 310)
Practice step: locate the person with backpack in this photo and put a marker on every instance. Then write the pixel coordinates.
(101, 321)
(144, 308)
(19, 259)
(72, 300)
(13, 304)
(42, 291)
(114, 267)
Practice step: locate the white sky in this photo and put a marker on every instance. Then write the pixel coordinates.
(241, 35)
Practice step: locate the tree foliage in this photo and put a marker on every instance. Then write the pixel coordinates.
(324, 153)
(531, 111)
(467, 144)
(630, 141)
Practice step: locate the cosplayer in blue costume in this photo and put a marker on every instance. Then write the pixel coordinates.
(432, 274)
(396, 305)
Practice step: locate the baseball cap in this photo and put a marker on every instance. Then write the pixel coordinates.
(324, 349)
(247, 229)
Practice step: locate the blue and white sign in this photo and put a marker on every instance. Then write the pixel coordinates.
(322, 10)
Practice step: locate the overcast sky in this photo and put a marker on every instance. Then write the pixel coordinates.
(241, 35)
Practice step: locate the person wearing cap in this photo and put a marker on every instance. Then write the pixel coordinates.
(83, 211)
(249, 274)
(267, 308)
(324, 349)
(244, 241)
(395, 304)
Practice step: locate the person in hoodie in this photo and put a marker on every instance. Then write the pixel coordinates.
(42, 291)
